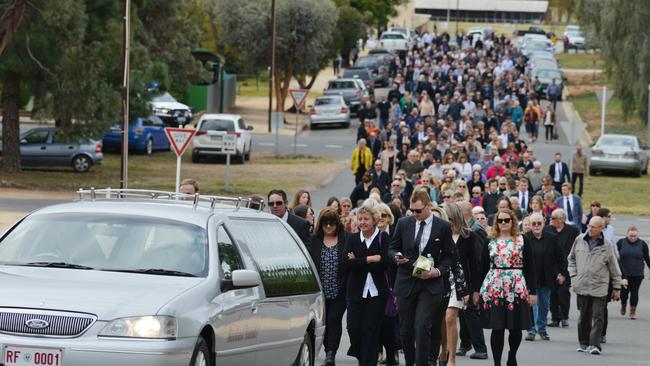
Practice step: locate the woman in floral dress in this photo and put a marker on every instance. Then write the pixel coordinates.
(508, 289)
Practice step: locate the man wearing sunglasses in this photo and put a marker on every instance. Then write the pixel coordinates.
(549, 264)
(277, 201)
(419, 300)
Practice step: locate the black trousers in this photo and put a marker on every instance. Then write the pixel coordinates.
(436, 337)
(471, 331)
(419, 316)
(575, 177)
(364, 326)
(632, 290)
(560, 302)
(548, 129)
(592, 319)
(334, 310)
(389, 337)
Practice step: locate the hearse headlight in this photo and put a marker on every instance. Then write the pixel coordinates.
(154, 327)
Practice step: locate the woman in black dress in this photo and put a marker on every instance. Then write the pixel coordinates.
(327, 252)
(508, 288)
(367, 289)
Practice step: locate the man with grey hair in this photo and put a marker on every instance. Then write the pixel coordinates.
(561, 296)
(592, 266)
(535, 176)
(549, 262)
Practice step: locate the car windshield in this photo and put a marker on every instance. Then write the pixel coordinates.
(341, 85)
(107, 242)
(534, 45)
(367, 62)
(615, 141)
(165, 97)
(574, 33)
(327, 101)
(549, 74)
(217, 125)
(358, 73)
(392, 36)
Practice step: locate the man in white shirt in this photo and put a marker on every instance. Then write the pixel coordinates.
(523, 196)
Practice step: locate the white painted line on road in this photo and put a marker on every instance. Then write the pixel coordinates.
(645, 220)
(299, 145)
(266, 143)
(334, 146)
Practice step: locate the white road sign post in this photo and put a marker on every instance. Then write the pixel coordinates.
(603, 97)
(298, 96)
(180, 139)
(229, 147)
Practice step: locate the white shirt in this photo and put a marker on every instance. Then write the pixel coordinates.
(523, 195)
(558, 172)
(285, 217)
(426, 233)
(370, 284)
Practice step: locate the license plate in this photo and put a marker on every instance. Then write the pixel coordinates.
(182, 119)
(215, 138)
(29, 356)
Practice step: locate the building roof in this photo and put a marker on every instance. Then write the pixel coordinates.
(525, 6)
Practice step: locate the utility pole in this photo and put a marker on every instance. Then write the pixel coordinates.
(647, 141)
(272, 69)
(457, 16)
(124, 161)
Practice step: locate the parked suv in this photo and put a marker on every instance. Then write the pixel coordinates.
(211, 128)
(351, 89)
(364, 74)
(172, 113)
(147, 278)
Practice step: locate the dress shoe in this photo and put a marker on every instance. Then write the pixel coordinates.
(530, 337)
(544, 336)
(623, 309)
(330, 357)
(565, 323)
(479, 356)
(633, 312)
(554, 324)
(603, 339)
(462, 351)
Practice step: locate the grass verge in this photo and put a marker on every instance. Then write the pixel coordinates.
(158, 171)
(580, 60)
(621, 195)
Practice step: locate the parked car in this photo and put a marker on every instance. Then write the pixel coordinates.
(362, 73)
(576, 38)
(208, 140)
(619, 152)
(329, 110)
(145, 136)
(377, 67)
(352, 91)
(386, 55)
(172, 113)
(546, 77)
(136, 281)
(394, 41)
(46, 146)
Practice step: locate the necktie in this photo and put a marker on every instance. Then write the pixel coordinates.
(418, 237)
(523, 202)
(568, 209)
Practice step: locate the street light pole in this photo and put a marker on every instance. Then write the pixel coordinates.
(457, 16)
(272, 69)
(647, 141)
(124, 162)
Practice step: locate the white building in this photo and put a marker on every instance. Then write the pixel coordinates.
(497, 11)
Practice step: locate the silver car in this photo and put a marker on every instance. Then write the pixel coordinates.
(44, 146)
(329, 110)
(619, 152)
(157, 281)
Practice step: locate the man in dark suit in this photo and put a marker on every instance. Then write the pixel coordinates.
(523, 196)
(380, 178)
(419, 300)
(277, 200)
(571, 204)
(374, 144)
(559, 172)
(549, 264)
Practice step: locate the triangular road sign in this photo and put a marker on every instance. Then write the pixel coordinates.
(298, 96)
(179, 138)
(608, 95)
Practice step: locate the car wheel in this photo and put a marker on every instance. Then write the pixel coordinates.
(592, 171)
(240, 158)
(306, 353)
(195, 157)
(81, 163)
(148, 148)
(638, 172)
(247, 157)
(346, 125)
(312, 126)
(201, 354)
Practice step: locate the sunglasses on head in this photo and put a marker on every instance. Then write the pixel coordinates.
(504, 221)
(276, 203)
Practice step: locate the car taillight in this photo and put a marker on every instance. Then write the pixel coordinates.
(632, 154)
(596, 152)
(357, 93)
(138, 131)
(344, 110)
(238, 134)
(312, 110)
(199, 133)
(98, 148)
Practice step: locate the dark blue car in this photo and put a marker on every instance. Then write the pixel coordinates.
(145, 135)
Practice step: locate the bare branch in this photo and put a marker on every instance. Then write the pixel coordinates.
(39, 63)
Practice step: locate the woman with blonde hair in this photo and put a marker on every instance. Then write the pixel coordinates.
(302, 197)
(346, 208)
(509, 285)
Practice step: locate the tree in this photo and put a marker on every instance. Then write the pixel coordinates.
(350, 26)
(303, 39)
(377, 11)
(624, 39)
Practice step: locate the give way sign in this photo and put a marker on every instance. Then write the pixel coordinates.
(298, 96)
(179, 138)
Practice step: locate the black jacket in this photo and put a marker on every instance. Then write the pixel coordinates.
(301, 227)
(381, 180)
(315, 250)
(358, 268)
(468, 259)
(440, 246)
(565, 239)
(551, 263)
(564, 174)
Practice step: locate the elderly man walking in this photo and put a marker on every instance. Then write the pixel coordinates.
(592, 265)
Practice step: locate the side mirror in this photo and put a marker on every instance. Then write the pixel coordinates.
(241, 278)
(23, 141)
(249, 128)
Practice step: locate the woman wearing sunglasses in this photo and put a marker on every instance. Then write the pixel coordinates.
(509, 286)
(328, 255)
